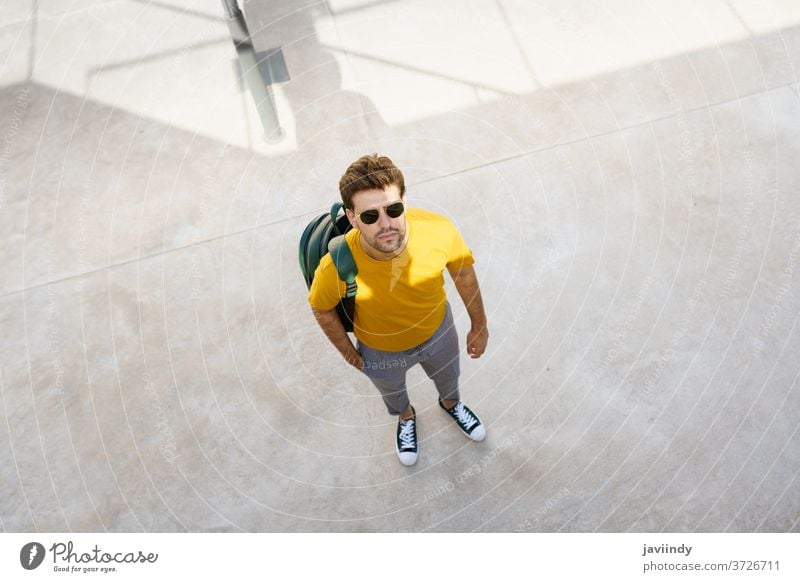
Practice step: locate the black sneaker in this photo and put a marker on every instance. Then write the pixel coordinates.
(467, 421)
(406, 443)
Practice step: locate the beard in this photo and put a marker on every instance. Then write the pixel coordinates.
(387, 245)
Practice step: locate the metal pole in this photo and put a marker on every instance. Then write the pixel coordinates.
(265, 103)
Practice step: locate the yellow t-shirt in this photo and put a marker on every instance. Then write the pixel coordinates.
(401, 301)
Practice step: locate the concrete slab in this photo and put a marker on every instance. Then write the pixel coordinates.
(85, 172)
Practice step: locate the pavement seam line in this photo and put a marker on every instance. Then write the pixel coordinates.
(426, 181)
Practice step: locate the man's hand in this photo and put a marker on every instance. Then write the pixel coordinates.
(332, 326)
(355, 359)
(476, 342)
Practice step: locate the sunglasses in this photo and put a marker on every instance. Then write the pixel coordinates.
(371, 216)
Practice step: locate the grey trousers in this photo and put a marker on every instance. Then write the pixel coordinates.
(438, 356)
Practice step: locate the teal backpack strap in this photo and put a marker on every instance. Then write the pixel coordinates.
(345, 263)
(337, 206)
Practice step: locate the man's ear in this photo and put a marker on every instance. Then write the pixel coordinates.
(351, 216)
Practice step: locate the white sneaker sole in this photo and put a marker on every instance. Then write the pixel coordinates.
(478, 433)
(407, 457)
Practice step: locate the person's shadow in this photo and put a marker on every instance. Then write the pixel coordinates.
(318, 102)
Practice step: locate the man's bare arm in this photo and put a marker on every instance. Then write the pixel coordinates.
(466, 282)
(332, 326)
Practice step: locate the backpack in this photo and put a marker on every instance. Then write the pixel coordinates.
(325, 234)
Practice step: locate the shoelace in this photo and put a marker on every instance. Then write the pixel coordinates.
(464, 417)
(407, 434)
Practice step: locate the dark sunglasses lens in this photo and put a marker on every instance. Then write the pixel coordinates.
(369, 216)
(394, 210)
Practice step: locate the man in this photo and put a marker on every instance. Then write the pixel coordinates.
(402, 317)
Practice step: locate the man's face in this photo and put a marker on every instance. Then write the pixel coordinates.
(386, 234)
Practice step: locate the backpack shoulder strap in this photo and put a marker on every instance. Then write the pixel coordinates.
(344, 262)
